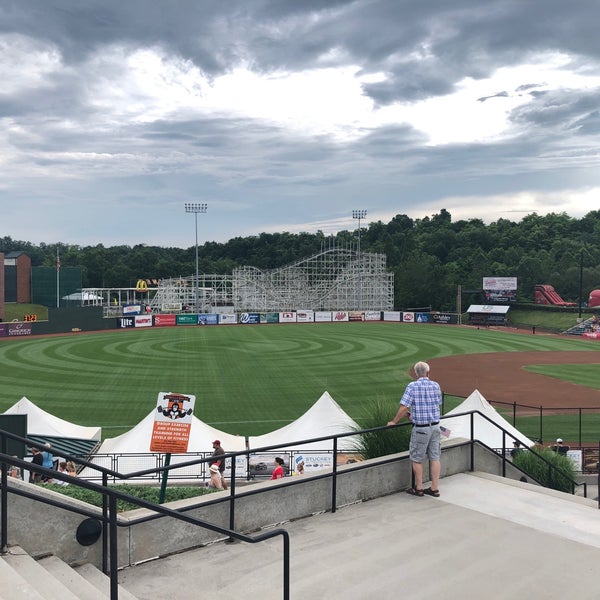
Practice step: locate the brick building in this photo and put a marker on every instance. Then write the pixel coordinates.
(16, 278)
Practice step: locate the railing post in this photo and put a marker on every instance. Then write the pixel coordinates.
(104, 525)
(286, 566)
(514, 414)
(114, 561)
(503, 453)
(232, 496)
(541, 422)
(4, 499)
(472, 458)
(334, 477)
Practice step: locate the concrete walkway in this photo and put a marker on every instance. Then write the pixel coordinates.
(484, 537)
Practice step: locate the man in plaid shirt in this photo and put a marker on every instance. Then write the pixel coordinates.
(421, 401)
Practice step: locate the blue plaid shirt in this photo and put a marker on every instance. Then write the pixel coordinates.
(423, 398)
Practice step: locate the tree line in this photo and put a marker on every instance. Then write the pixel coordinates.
(430, 257)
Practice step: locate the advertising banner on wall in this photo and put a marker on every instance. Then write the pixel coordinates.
(500, 289)
(445, 318)
(126, 322)
(208, 319)
(305, 316)
(340, 316)
(356, 315)
(269, 317)
(172, 423)
(249, 318)
(187, 319)
(372, 315)
(165, 320)
(392, 315)
(287, 317)
(262, 464)
(408, 317)
(422, 318)
(143, 320)
(307, 462)
(227, 319)
(15, 329)
(322, 316)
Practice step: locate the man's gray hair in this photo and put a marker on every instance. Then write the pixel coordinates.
(421, 369)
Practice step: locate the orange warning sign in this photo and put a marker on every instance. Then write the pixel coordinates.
(172, 423)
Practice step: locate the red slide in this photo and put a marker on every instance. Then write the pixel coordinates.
(546, 294)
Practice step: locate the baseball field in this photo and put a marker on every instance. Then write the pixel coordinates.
(250, 380)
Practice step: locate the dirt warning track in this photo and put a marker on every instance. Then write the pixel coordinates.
(501, 377)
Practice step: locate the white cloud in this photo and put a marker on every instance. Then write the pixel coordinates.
(267, 116)
(26, 63)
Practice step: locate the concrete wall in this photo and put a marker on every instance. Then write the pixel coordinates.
(42, 529)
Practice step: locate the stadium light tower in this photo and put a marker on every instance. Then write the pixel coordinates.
(359, 214)
(196, 207)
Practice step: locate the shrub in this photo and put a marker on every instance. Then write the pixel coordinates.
(381, 443)
(144, 492)
(559, 477)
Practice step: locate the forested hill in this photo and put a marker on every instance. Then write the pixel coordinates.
(430, 257)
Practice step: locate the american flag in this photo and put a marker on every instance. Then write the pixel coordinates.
(57, 264)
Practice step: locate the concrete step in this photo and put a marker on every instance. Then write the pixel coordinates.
(24, 578)
(48, 586)
(15, 585)
(80, 586)
(101, 581)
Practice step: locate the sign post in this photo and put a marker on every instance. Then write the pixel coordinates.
(171, 430)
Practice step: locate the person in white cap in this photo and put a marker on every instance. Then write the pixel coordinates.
(560, 447)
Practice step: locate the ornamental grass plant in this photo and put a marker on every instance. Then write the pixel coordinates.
(383, 442)
(550, 469)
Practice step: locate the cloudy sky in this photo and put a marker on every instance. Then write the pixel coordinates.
(287, 115)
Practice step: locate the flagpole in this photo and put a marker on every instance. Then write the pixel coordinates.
(57, 278)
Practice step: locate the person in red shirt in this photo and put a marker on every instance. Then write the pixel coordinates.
(278, 470)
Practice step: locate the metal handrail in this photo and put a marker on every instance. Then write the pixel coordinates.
(110, 496)
(109, 512)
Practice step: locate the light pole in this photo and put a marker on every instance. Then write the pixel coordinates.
(359, 214)
(196, 207)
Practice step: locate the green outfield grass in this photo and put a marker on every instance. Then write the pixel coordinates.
(581, 374)
(248, 380)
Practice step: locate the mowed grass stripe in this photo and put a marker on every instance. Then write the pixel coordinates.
(245, 378)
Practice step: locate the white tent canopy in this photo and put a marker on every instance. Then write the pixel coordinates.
(201, 438)
(42, 423)
(136, 442)
(325, 417)
(484, 431)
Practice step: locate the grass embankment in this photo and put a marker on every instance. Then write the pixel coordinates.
(17, 312)
(549, 320)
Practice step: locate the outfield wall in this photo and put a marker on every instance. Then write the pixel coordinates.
(300, 316)
(90, 318)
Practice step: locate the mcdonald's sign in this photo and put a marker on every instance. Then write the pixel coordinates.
(141, 285)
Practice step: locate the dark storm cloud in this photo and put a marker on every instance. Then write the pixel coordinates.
(60, 143)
